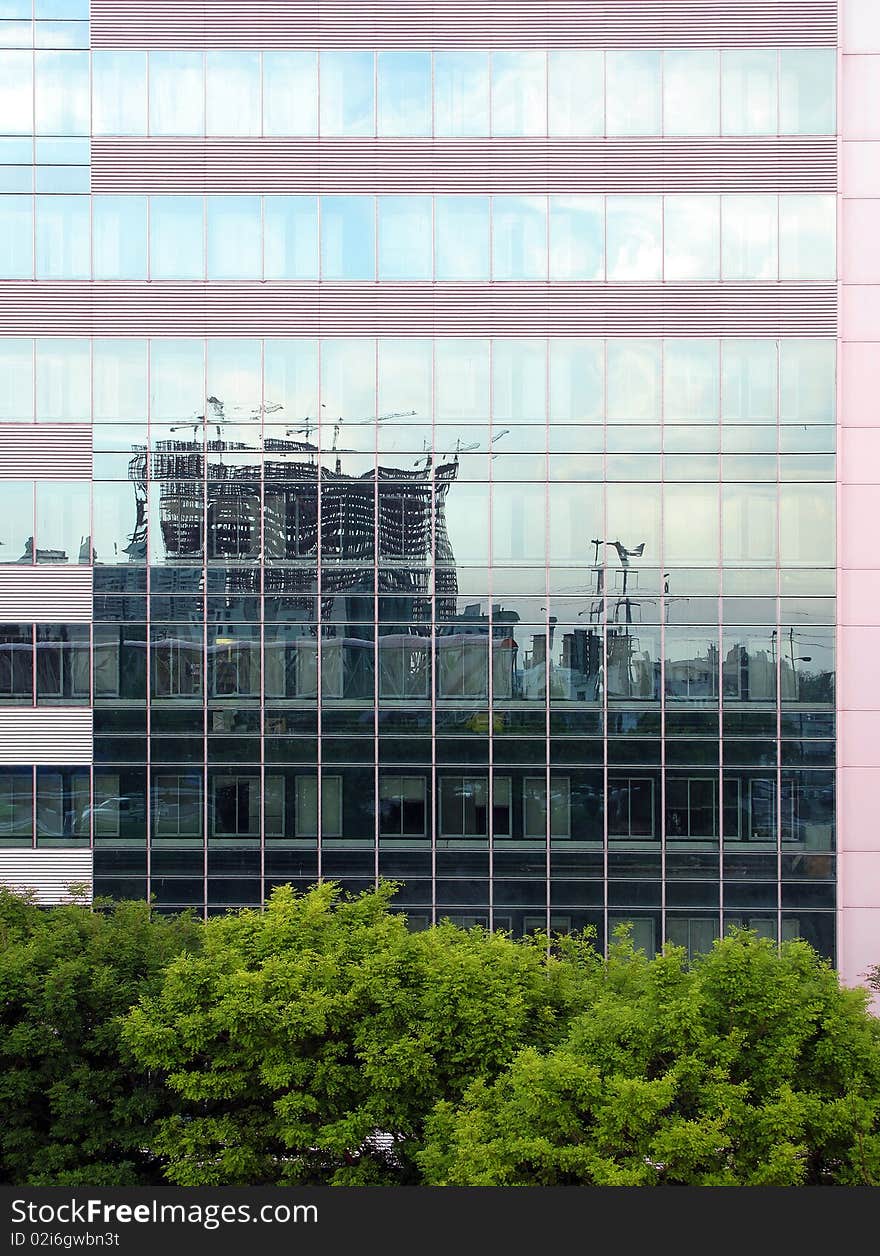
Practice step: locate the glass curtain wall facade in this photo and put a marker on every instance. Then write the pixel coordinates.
(541, 625)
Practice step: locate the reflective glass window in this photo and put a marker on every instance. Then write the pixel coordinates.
(405, 237)
(119, 518)
(633, 381)
(749, 237)
(807, 91)
(691, 91)
(461, 228)
(404, 88)
(16, 93)
(691, 383)
(16, 806)
(177, 379)
(748, 381)
(119, 237)
(807, 237)
(748, 91)
(348, 237)
(62, 237)
(290, 237)
(749, 522)
(462, 380)
(807, 524)
(519, 237)
(347, 105)
(16, 379)
(632, 88)
(461, 93)
(577, 384)
(177, 237)
(63, 521)
(691, 237)
(291, 381)
(232, 93)
(17, 522)
(519, 93)
(575, 92)
(177, 93)
(16, 237)
(234, 234)
(807, 381)
(61, 93)
(290, 93)
(119, 373)
(634, 232)
(16, 664)
(63, 379)
(577, 237)
(119, 93)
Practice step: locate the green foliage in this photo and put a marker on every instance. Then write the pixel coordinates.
(298, 1034)
(751, 1068)
(76, 1110)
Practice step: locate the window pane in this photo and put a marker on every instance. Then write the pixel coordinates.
(577, 369)
(519, 93)
(404, 81)
(576, 96)
(461, 93)
(462, 234)
(234, 237)
(119, 93)
(119, 234)
(690, 523)
(17, 522)
(749, 237)
(63, 372)
(691, 384)
(634, 234)
(346, 93)
(119, 371)
(405, 237)
(519, 381)
(807, 384)
(347, 237)
(577, 244)
(807, 237)
(62, 237)
(749, 515)
(691, 90)
(177, 237)
(17, 379)
(290, 93)
(519, 237)
(633, 92)
(177, 379)
(462, 380)
(62, 93)
(63, 525)
(290, 230)
(691, 237)
(16, 93)
(233, 93)
(807, 91)
(748, 91)
(749, 381)
(177, 93)
(291, 379)
(806, 525)
(16, 237)
(633, 381)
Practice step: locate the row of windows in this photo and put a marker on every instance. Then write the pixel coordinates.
(580, 663)
(766, 91)
(53, 522)
(57, 803)
(335, 390)
(590, 238)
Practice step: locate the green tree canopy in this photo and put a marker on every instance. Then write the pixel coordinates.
(301, 1033)
(753, 1067)
(76, 1109)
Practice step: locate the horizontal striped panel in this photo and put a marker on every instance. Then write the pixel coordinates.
(48, 874)
(460, 23)
(767, 164)
(53, 735)
(45, 451)
(46, 595)
(252, 308)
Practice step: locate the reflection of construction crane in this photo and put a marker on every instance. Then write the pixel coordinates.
(460, 448)
(380, 418)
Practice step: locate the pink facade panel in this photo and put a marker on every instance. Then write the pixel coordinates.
(860, 94)
(860, 880)
(858, 597)
(859, 367)
(860, 678)
(860, 311)
(860, 25)
(860, 167)
(860, 243)
(858, 746)
(857, 528)
(858, 455)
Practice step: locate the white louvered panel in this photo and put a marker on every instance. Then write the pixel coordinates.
(47, 595)
(45, 451)
(48, 874)
(252, 308)
(46, 735)
(763, 164)
(459, 23)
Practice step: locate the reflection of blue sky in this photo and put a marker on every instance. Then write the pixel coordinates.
(290, 93)
(347, 93)
(404, 90)
(519, 93)
(461, 93)
(405, 237)
(232, 93)
(347, 237)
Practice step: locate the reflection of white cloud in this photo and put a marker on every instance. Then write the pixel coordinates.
(461, 93)
(519, 93)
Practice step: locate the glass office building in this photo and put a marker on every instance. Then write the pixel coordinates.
(425, 453)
